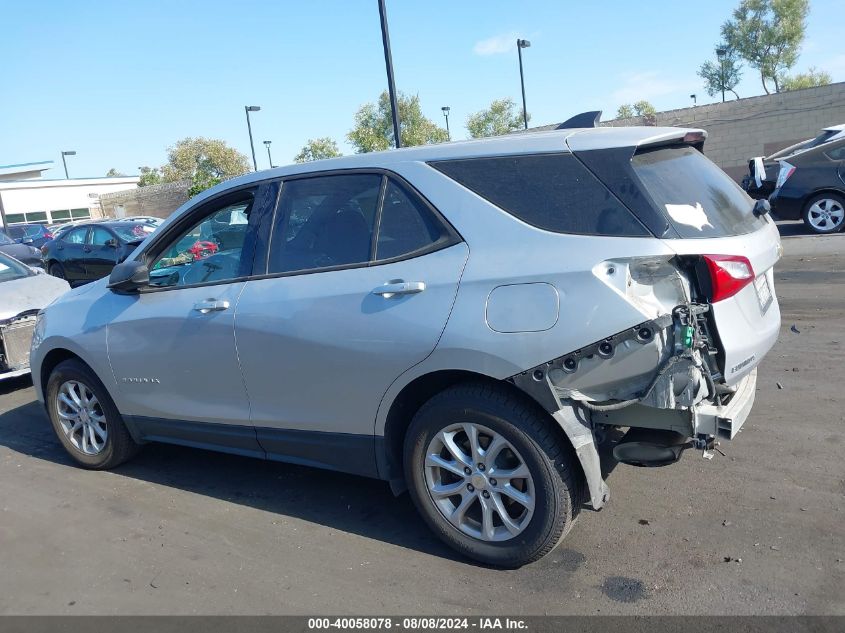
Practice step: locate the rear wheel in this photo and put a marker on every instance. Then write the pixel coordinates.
(489, 475)
(86, 419)
(825, 213)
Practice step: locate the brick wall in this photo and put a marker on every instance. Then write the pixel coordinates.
(156, 200)
(740, 129)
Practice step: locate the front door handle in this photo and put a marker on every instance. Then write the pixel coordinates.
(211, 305)
(398, 287)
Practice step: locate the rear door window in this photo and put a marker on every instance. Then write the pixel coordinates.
(554, 192)
(698, 198)
(407, 226)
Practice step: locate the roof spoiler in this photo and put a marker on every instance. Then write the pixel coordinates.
(585, 119)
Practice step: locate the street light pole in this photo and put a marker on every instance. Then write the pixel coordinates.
(249, 109)
(388, 62)
(64, 162)
(694, 100)
(446, 114)
(520, 44)
(269, 157)
(720, 53)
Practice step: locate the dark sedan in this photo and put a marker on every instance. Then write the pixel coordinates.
(811, 186)
(89, 252)
(25, 253)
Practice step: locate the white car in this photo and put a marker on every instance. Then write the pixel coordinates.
(464, 320)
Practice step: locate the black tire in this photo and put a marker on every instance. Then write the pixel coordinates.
(833, 227)
(556, 480)
(56, 270)
(119, 445)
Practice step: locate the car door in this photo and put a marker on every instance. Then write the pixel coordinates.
(70, 253)
(101, 252)
(362, 275)
(172, 347)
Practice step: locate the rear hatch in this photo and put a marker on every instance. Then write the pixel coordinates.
(704, 217)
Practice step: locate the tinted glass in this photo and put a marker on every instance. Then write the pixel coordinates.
(837, 153)
(76, 236)
(554, 192)
(100, 236)
(324, 221)
(211, 250)
(130, 233)
(16, 232)
(11, 269)
(407, 225)
(5, 239)
(698, 198)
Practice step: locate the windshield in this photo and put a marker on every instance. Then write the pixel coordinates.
(824, 137)
(132, 232)
(698, 198)
(5, 239)
(11, 269)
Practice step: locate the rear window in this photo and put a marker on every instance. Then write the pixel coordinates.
(554, 192)
(698, 198)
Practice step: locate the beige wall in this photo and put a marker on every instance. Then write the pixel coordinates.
(155, 200)
(741, 129)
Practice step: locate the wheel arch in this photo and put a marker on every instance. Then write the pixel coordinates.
(390, 457)
(822, 190)
(51, 360)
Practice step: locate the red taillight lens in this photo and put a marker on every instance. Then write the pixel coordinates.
(48, 235)
(728, 275)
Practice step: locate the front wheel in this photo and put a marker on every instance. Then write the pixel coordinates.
(85, 418)
(825, 213)
(490, 475)
(56, 270)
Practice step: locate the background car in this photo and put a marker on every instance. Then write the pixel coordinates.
(149, 219)
(772, 166)
(32, 234)
(25, 253)
(87, 252)
(811, 186)
(23, 292)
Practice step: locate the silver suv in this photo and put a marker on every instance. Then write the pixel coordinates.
(466, 321)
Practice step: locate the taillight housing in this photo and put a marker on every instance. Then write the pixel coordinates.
(786, 170)
(728, 275)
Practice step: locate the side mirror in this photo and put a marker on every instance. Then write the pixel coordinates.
(129, 277)
(27, 240)
(762, 207)
(111, 243)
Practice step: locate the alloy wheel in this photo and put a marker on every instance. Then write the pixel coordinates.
(826, 214)
(81, 417)
(479, 482)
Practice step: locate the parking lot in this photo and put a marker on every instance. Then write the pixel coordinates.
(760, 530)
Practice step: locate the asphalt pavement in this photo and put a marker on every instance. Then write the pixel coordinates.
(760, 530)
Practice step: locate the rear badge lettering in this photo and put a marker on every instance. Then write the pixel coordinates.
(744, 363)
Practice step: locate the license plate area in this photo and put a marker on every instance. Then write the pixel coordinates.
(764, 292)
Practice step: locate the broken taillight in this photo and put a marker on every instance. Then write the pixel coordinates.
(786, 170)
(728, 275)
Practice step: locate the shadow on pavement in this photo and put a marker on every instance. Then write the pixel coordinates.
(790, 228)
(345, 502)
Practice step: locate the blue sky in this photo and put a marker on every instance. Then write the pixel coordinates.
(120, 82)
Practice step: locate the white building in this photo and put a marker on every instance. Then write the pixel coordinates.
(26, 197)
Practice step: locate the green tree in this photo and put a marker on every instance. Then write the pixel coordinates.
(501, 117)
(809, 79)
(113, 173)
(203, 161)
(149, 176)
(768, 35)
(373, 128)
(625, 111)
(317, 149)
(724, 74)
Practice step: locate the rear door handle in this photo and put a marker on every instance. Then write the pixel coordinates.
(399, 287)
(211, 305)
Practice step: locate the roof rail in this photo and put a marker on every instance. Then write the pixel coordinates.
(585, 119)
